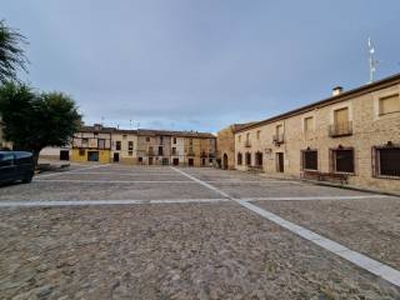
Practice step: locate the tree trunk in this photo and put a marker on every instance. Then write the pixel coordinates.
(35, 154)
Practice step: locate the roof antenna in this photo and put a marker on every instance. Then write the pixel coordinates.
(372, 61)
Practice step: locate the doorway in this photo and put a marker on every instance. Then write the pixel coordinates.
(280, 162)
(93, 155)
(191, 162)
(150, 161)
(225, 165)
(175, 161)
(64, 154)
(116, 157)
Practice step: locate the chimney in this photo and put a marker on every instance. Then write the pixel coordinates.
(337, 90)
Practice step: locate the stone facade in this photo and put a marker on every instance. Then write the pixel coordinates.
(144, 147)
(355, 133)
(226, 146)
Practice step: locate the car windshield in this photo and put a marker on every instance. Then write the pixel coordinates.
(6, 159)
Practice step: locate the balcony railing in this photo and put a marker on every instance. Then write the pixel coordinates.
(341, 129)
(278, 139)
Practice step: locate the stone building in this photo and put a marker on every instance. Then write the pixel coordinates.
(92, 143)
(353, 135)
(143, 146)
(124, 145)
(226, 146)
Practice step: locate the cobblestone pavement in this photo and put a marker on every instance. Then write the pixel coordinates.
(185, 251)
(370, 226)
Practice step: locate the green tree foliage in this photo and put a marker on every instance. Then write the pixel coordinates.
(33, 121)
(12, 56)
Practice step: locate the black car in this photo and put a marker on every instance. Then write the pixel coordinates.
(16, 165)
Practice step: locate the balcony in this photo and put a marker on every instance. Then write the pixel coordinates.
(278, 139)
(247, 144)
(341, 129)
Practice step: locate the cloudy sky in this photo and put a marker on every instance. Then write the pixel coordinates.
(201, 64)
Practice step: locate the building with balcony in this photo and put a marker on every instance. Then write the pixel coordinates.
(143, 146)
(353, 135)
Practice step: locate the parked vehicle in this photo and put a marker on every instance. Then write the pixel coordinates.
(16, 165)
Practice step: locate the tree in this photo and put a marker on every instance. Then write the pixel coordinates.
(12, 56)
(33, 121)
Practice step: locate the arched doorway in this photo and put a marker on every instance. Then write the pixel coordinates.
(225, 165)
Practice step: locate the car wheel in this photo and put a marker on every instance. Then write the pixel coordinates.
(27, 178)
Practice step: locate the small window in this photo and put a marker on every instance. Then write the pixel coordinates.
(130, 153)
(387, 160)
(389, 104)
(130, 145)
(308, 124)
(343, 160)
(101, 143)
(279, 130)
(147, 139)
(140, 159)
(239, 138)
(174, 140)
(161, 140)
(239, 159)
(85, 142)
(118, 145)
(258, 134)
(310, 159)
(160, 151)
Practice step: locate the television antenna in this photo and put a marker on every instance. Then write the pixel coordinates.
(371, 60)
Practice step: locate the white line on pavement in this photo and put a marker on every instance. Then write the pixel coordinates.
(384, 271)
(317, 198)
(123, 174)
(202, 183)
(51, 203)
(113, 181)
(72, 171)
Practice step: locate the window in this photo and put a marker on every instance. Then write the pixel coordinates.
(147, 139)
(387, 161)
(239, 138)
(173, 150)
(309, 124)
(310, 159)
(248, 159)
(130, 145)
(160, 151)
(101, 143)
(389, 104)
(174, 140)
(130, 153)
(82, 152)
(140, 159)
(161, 140)
(6, 160)
(85, 142)
(258, 134)
(191, 142)
(239, 159)
(341, 124)
(118, 145)
(279, 130)
(343, 160)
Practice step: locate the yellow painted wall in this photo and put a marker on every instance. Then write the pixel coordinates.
(104, 156)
